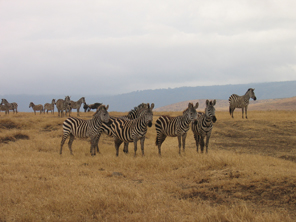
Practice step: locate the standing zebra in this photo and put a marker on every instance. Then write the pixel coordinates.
(76, 105)
(204, 125)
(236, 101)
(127, 131)
(92, 128)
(38, 107)
(133, 114)
(49, 107)
(63, 104)
(9, 106)
(175, 126)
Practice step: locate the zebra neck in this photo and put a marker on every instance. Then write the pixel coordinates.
(185, 120)
(207, 121)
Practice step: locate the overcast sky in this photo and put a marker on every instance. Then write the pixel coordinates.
(112, 47)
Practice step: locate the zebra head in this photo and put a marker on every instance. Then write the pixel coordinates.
(148, 114)
(83, 100)
(251, 93)
(102, 113)
(191, 112)
(210, 110)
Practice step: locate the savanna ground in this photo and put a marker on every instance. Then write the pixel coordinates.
(249, 173)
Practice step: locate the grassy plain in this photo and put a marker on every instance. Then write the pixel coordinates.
(249, 173)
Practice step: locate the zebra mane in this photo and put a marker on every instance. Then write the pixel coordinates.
(101, 107)
(137, 108)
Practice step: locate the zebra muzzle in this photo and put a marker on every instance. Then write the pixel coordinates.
(214, 119)
(149, 123)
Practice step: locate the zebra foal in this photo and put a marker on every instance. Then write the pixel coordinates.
(175, 126)
(127, 131)
(204, 126)
(38, 107)
(236, 101)
(75, 127)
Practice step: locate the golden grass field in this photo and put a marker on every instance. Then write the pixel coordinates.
(249, 173)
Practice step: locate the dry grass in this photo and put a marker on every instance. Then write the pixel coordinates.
(248, 175)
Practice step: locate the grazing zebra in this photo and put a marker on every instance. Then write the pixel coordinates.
(204, 125)
(76, 105)
(38, 107)
(127, 131)
(91, 106)
(75, 127)
(49, 107)
(63, 104)
(9, 106)
(175, 126)
(236, 101)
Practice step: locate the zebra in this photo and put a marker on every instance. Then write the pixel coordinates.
(133, 114)
(76, 105)
(38, 107)
(75, 127)
(91, 106)
(63, 104)
(236, 101)
(175, 126)
(49, 107)
(125, 130)
(204, 125)
(9, 106)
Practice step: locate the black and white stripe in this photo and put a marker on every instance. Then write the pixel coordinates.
(204, 125)
(175, 126)
(75, 127)
(127, 131)
(236, 101)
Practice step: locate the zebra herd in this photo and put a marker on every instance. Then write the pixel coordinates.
(134, 126)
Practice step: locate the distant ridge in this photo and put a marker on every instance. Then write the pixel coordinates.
(165, 97)
(222, 105)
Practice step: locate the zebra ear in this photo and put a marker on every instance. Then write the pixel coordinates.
(207, 102)
(196, 105)
(190, 105)
(214, 102)
(152, 105)
(107, 107)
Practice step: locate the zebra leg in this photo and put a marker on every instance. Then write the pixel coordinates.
(246, 112)
(160, 138)
(243, 112)
(94, 146)
(202, 143)
(179, 144)
(142, 145)
(117, 144)
(65, 136)
(135, 146)
(70, 143)
(183, 141)
(125, 148)
(196, 137)
(207, 142)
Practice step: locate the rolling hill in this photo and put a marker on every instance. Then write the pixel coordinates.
(222, 105)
